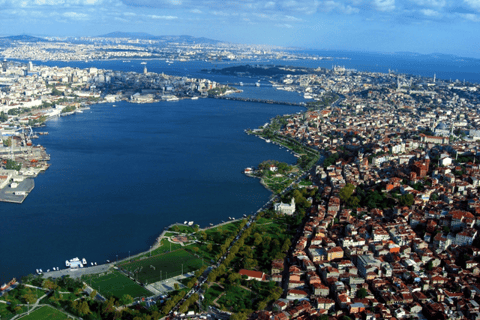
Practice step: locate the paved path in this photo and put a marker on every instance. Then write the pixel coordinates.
(77, 273)
(165, 286)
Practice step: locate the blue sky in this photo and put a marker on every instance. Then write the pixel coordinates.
(423, 26)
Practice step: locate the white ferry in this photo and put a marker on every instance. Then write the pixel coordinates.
(75, 263)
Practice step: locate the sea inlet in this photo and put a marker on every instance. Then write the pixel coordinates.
(120, 174)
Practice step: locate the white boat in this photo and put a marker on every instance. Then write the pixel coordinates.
(95, 263)
(194, 98)
(267, 141)
(143, 62)
(185, 222)
(241, 83)
(48, 270)
(67, 263)
(114, 105)
(84, 261)
(190, 223)
(257, 84)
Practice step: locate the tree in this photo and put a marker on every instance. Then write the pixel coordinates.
(407, 200)
(234, 278)
(83, 308)
(176, 286)
(209, 247)
(3, 117)
(258, 239)
(286, 245)
(93, 294)
(202, 235)
(346, 192)
(195, 228)
(362, 293)
(429, 265)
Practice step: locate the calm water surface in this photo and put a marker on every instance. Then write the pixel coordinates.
(120, 175)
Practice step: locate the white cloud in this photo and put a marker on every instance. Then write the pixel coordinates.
(75, 15)
(470, 16)
(384, 5)
(293, 19)
(269, 5)
(430, 3)
(430, 13)
(198, 11)
(284, 25)
(331, 5)
(474, 4)
(221, 13)
(152, 16)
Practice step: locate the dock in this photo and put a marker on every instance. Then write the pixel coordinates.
(18, 194)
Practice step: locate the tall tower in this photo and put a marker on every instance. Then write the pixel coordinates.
(427, 161)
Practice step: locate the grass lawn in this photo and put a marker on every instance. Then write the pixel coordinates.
(212, 293)
(116, 284)
(165, 246)
(46, 313)
(237, 299)
(229, 227)
(181, 228)
(167, 265)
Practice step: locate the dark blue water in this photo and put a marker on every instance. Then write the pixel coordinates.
(120, 175)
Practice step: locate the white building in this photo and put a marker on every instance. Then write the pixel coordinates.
(285, 208)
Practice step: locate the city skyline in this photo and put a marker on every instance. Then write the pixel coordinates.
(423, 26)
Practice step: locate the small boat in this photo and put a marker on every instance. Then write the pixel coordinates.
(143, 62)
(48, 270)
(91, 263)
(211, 224)
(114, 105)
(95, 263)
(84, 261)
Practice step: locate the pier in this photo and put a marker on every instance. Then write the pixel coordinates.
(18, 194)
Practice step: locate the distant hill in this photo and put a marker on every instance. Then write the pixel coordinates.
(147, 36)
(23, 37)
